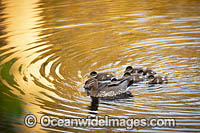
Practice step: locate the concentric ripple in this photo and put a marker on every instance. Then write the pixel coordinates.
(47, 53)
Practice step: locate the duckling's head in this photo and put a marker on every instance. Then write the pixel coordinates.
(113, 79)
(150, 77)
(127, 74)
(147, 71)
(129, 69)
(93, 74)
(140, 71)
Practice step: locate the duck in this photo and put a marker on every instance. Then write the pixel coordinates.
(130, 69)
(101, 76)
(150, 76)
(157, 79)
(108, 90)
(147, 72)
(136, 77)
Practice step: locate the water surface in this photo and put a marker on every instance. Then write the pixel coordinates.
(47, 49)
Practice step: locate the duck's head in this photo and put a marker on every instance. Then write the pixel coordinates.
(90, 84)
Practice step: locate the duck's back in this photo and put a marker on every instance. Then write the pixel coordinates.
(104, 76)
(107, 90)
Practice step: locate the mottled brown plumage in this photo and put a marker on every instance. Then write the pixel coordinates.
(99, 89)
(157, 79)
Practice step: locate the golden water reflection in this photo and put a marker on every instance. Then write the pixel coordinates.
(57, 43)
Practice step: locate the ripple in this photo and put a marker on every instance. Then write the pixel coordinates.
(71, 26)
(50, 49)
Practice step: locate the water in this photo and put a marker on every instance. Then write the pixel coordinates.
(47, 49)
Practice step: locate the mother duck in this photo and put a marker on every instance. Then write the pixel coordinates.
(108, 90)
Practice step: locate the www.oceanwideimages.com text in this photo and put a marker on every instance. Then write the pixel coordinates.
(97, 121)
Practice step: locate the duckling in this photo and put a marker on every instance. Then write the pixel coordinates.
(150, 77)
(101, 76)
(157, 79)
(115, 81)
(103, 90)
(147, 72)
(138, 71)
(135, 76)
(130, 69)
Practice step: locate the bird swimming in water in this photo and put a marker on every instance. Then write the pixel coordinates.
(131, 70)
(113, 89)
(147, 72)
(157, 79)
(135, 77)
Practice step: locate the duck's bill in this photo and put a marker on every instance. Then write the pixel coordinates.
(87, 92)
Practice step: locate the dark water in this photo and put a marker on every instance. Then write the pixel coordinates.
(47, 49)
